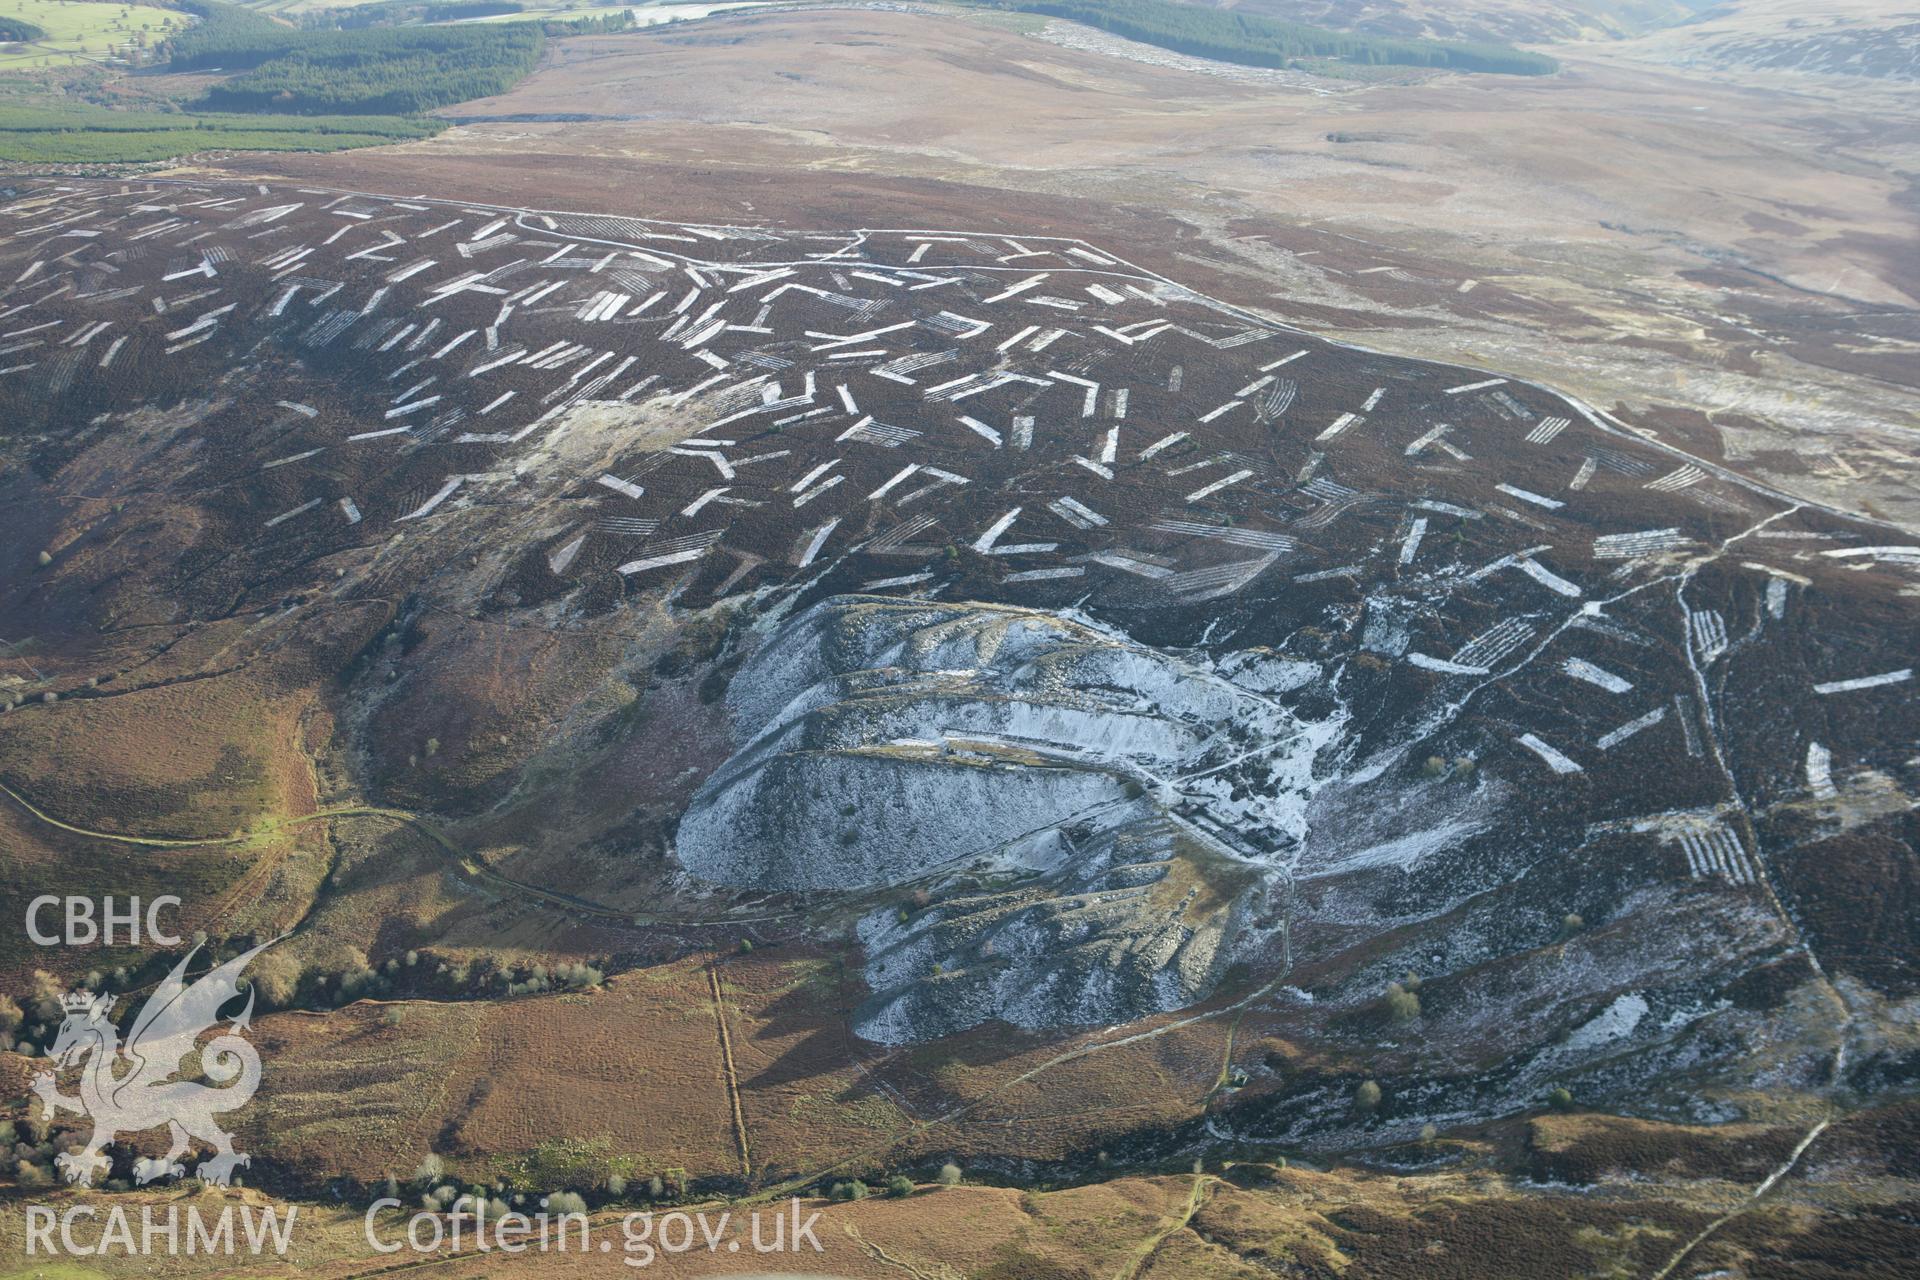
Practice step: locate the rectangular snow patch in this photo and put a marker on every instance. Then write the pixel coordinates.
(1551, 504)
(1581, 669)
(1865, 682)
(1548, 579)
(1218, 485)
(618, 485)
(1555, 761)
(1441, 665)
(1611, 740)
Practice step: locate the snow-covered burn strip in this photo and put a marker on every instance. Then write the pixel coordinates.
(1901, 676)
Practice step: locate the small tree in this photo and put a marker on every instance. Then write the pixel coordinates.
(1402, 1004)
(949, 1175)
(1366, 1099)
(899, 1186)
(1428, 1132)
(1560, 1100)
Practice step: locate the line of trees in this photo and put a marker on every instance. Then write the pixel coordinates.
(66, 143)
(603, 24)
(390, 13)
(86, 119)
(15, 30)
(226, 37)
(387, 71)
(354, 70)
(1250, 40)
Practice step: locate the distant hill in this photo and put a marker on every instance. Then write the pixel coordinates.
(1877, 38)
(1255, 40)
(1871, 38)
(1503, 21)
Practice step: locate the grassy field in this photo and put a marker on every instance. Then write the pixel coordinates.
(31, 135)
(80, 31)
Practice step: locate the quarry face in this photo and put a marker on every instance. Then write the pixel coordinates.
(888, 744)
(884, 742)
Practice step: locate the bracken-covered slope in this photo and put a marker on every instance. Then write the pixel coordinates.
(1174, 653)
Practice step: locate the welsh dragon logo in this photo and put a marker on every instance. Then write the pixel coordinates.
(140, 1085)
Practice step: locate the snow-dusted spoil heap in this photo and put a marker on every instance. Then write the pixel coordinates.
(1131, 916)
(887, 742)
